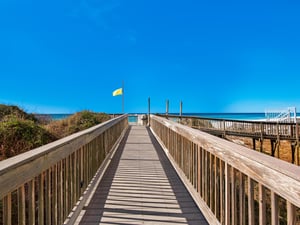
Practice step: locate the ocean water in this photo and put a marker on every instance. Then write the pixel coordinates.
(232, 116)
(59, 116)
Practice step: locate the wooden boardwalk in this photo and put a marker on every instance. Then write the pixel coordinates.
(140, 187)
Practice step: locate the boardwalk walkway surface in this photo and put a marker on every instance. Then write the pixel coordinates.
(141, 187)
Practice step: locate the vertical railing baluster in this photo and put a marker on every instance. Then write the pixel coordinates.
(291, 214)
(217, 187)
(21, 205)
(211, 185)
(242, 212)
(233, 197)
(31, 199)
(7, 210)
(227, 194)
(262, 204)
(41, 197)
(274, 209)
(54, 195)
(48, 196)
(250, 201)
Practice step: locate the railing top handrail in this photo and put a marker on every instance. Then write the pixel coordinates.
(279, 176)
(229, 120)
(75, 140)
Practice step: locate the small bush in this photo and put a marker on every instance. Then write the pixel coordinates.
(20, 135)
(21, 132)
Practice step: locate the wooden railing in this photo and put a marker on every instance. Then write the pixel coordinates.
(230, 184)
(43, 185)
(256, 129)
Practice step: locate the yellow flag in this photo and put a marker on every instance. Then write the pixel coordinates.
(118, 92)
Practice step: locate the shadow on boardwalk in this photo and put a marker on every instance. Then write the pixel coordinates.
(140, 186)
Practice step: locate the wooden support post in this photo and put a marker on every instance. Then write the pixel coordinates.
(149, 111)
(261, 145)
(293, 149)
(272, 143)
(297, 150)
(297, 160)
(180, 113)
(261, 136)
(167, 108)
(254, 143)
(277, 155)
(224, 129)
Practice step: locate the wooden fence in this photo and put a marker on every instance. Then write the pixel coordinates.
(43, 185)
(231, 184)
(255, 129)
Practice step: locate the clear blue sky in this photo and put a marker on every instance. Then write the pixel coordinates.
(216, 56)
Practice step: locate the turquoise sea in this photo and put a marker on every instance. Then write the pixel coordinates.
(233, 116)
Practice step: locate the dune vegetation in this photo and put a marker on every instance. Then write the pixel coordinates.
(21, 132)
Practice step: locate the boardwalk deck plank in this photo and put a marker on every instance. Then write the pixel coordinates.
(141, 187)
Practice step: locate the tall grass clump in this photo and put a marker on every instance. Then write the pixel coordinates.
(77, 122)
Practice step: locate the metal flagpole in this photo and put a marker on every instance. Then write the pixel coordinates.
(123, 97)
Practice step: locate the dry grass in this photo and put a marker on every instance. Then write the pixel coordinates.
(285, 151)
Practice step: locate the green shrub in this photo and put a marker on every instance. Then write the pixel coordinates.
(20, 135)
(11, 110)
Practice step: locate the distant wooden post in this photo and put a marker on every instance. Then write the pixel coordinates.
(297, 161)
(149, 111)
(167, 108)
(224, 129)
(261, 136)
(278, 141)
(180, 113)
